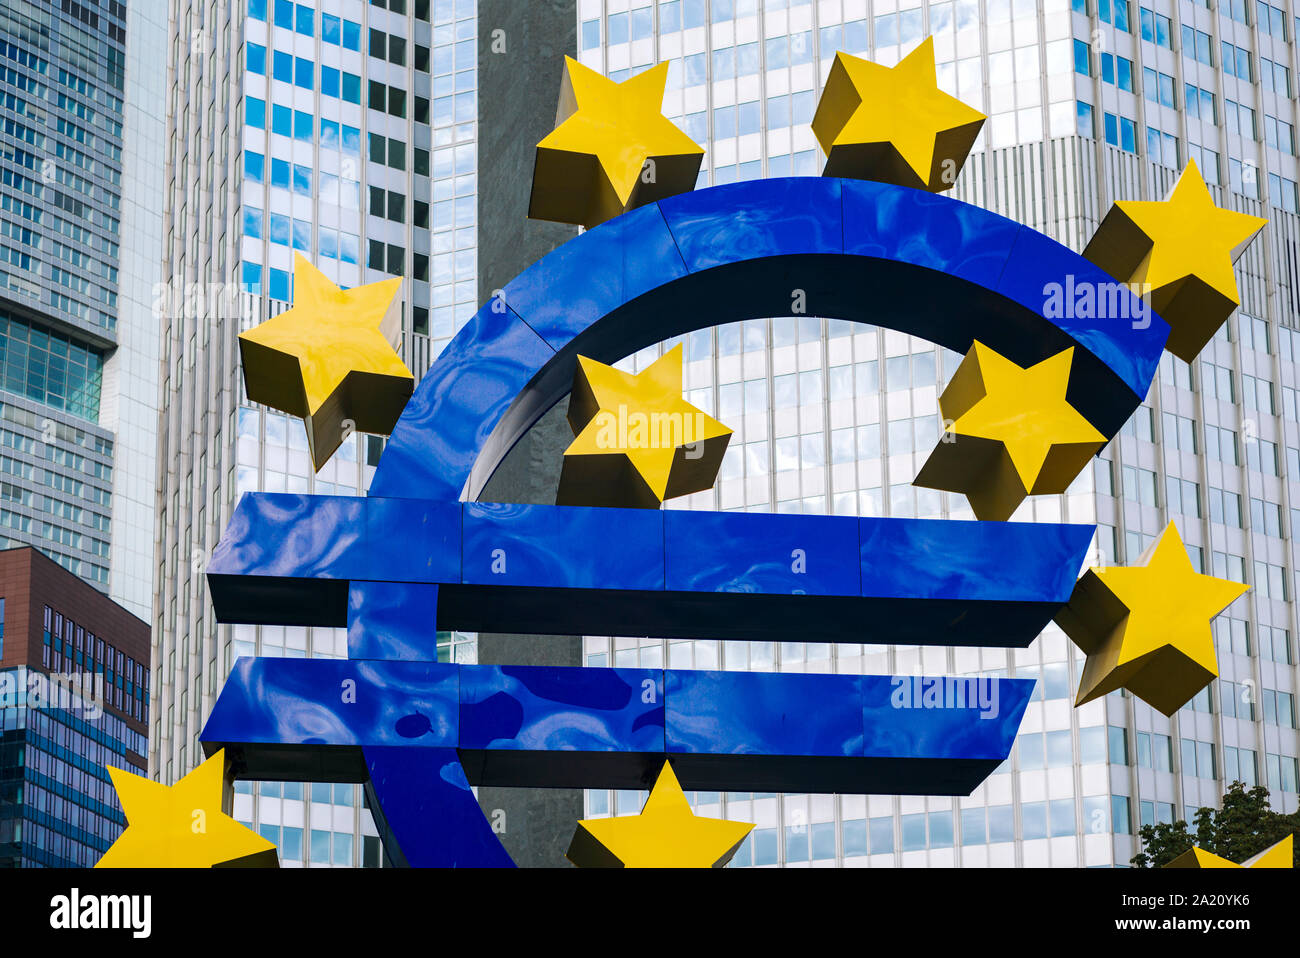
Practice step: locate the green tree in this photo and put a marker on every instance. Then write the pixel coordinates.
(1243, 827)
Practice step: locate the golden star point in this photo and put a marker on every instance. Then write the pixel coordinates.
(330, 359)
(637, 440)
(1281, 855)
(894, 124)
(1146, 628)
(612, 149)
(181, 826)
(1010, 433)
(1181, 250)
(667, 834)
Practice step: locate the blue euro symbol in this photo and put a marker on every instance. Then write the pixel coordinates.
(420, 553)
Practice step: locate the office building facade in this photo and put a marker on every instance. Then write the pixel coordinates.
(74, 212)
(74, 699)
(1088, 102)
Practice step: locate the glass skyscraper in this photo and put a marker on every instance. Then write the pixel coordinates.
(76, 338)
(346, 131)
(1088, 102)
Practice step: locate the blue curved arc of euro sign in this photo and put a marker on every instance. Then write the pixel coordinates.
(884, 255)
(554, 570)
(412, 555)
(423, 733)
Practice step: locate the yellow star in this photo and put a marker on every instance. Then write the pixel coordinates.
(894, 125)
(1181, 251)
(667, 834)
(1147, 628)
(182, 826)
(1009, 433)
(638, 441)
(330, 360)
(612, 149)
(1281, 855)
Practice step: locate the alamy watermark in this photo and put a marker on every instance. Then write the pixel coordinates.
(212, 301)
(1089, 299)
(948, 692)
(624, 429)
(75, 911)
(81, 692)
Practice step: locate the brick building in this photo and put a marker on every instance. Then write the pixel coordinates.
(74, 699)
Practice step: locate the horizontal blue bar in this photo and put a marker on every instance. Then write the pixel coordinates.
(761, 553)
(539, 569)
(339, 702)
(562, 547)
(746, 731)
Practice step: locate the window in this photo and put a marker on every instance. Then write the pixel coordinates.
(1282, 192)
(251, 279)
(1198, 759)
(1272, 20)
(1156, 28)
(351, 88)
(1275, 77)
(1240, 118)
(1120, 812)
(282, 67)
(1279, 134)
(1198, 103)
(1121, 132)
(1278, 708)
(397, 102)
(253, 219)
(1118, 737)
(1183, 496)
(1225, 507)
(255, 112)
(255, 58)
(1270, 581)
(1282, 772)
(1086, 124)
(28, 354)
(254, 166)
(1124, 74)
(1241, 765)
(1140, 485)
(1275, 644)
(1162, 147)
(280, 287)
(1236, 61)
